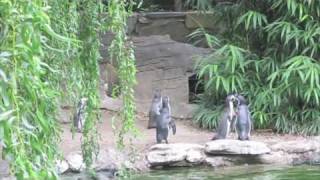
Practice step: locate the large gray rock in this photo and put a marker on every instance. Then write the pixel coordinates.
(173, 26)
(75, 162)
(279, 158)
(231, 160)
(165, 64)
(218, 161)
(301, 146)
(195, 156)
(210, 21)
(236, 147)
(62, 166)
(161, 63)
(111, 160)
(111, 104)
(169, 154)
(108, 160)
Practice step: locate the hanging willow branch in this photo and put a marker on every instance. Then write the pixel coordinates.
(28, 126)
(64, 18)
(89, 35)
(121, 50)
(36, 55)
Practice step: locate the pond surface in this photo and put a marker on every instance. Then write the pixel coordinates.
(251, 172)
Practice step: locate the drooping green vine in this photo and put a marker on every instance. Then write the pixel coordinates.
(28, 125)
(121, 50)
(80, 70)
(43, 45)
(89, 35)
(64, 17)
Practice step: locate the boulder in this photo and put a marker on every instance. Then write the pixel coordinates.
(175, 27)
(75, 162)
(218, 161)
(62, 166)
(232, 160)
(279, 158)
(209, 21)
(169, 154)
(106, 161)
(111, 160)
(165, 64)
(111, 104)
(301, 146)
(195, 156)
(236, 147)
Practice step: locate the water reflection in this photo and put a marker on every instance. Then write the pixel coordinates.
(251, 172)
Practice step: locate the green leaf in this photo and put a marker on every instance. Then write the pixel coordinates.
(6, 115)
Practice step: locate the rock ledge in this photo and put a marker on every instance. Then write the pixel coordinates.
(234, 152)
(236, 147)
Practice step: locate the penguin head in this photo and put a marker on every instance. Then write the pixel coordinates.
(165, 101)
(241, 99)
(231, 98)
(157, 94)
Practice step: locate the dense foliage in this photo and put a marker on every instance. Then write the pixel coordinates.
(121, 51)
(269, 53)
(49, 53)
(28, 128)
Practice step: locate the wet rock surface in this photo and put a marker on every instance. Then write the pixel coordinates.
(236, 147)
(234, 152)
(75, 162)
(169, 154)
(62, 166)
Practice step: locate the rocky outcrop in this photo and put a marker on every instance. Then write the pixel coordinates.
(62, 166)
(175, 154)
(162, 24)
(295, 147)
(165, 64)
(108, 162)
(234, 152)
(293, 152)
(215, 154)
(164, 59)
(235, 147)
(161, 62)
(75, 162)
(176, 24)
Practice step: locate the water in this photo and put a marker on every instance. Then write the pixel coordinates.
(258, 172)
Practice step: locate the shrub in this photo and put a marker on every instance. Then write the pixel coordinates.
(270, 54)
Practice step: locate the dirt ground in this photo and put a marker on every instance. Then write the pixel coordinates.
(186, 133)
